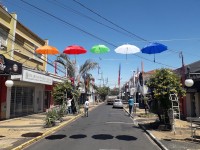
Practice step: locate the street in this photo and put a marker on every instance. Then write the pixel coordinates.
(105, 129)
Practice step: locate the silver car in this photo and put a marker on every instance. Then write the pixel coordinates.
(117, 103)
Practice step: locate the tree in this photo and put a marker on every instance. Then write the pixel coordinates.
(60, 90)
(163, 83)
(82, 72)
(103, 92)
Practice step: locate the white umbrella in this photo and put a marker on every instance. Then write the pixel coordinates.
(127, 49)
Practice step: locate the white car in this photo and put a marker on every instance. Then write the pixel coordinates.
(117, 103)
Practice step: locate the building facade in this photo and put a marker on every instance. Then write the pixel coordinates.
(190, 105)
(32, 89)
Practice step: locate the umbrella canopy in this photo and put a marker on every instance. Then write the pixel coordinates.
(153, 48)
(127, 49)
(74, 50)
(98, 49)
(47, 50)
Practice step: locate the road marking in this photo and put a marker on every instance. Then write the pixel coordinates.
(119, 123)
(109, 149)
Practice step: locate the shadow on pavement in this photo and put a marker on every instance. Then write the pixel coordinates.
(78, 136)
(102, 136)
(126, 137)
(55, 137)
(32, 134)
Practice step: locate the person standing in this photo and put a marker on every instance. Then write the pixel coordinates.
(86, 107)
(130, 104)
(69, 105)
(73, 106)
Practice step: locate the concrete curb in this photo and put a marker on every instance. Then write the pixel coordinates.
(51, 130)
(151, 135)
(46, 133)
(153, 138)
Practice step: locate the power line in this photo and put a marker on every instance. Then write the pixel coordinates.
(110, 21)
(69, 24)
(86, 31)
(50, 63)
(62, 5)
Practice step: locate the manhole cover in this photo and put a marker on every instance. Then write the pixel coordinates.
(32, 134)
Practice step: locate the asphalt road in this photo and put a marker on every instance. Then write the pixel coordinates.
(105, 129)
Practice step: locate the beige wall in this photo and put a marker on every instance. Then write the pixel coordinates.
(23, 40)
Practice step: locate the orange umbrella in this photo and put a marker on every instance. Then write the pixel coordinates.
(47, 50)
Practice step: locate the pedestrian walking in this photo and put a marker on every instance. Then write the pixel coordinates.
(130, 105)
(86, 107)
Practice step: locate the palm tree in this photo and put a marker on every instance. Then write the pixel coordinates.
(64, 60)
(83, 71)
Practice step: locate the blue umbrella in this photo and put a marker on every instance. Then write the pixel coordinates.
(153, 48)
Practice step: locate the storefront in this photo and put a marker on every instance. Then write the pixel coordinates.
(7, 68)
(28, 95)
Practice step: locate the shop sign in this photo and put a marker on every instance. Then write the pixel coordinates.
(8, 66)
(34, 77)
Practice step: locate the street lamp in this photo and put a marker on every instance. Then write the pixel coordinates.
(189, 82)
(9, 83)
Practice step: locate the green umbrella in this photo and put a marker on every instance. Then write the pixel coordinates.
(98, 49)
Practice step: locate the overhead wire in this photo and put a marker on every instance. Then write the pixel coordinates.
(29, 50)
(62, 5)
(86, 31)
(69, 24)
(139, 37)
(110, 21)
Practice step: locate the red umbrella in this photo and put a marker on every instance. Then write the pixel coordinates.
(74, 49)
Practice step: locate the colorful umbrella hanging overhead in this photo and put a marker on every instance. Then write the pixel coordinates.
(154, 48)
(47, 50)
(127, 49)
(74, 50)
(99, 49)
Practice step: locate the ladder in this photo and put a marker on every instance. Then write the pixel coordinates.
(175, 105)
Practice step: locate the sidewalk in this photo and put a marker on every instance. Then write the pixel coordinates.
(19, 132)
(181, 140)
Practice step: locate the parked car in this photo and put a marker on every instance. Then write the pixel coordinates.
(117, 103)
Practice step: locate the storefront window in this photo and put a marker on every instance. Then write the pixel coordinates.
(21, 101)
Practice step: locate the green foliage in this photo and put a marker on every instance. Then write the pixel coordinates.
(163, 83)
(114, 91)
(59, 92)
(51, 117)
(61, 112)
(103, 92)
(76, 94)
(55, 114)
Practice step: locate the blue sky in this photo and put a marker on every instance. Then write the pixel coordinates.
(174, 23)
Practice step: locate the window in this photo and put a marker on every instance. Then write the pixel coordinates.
(3, 38)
